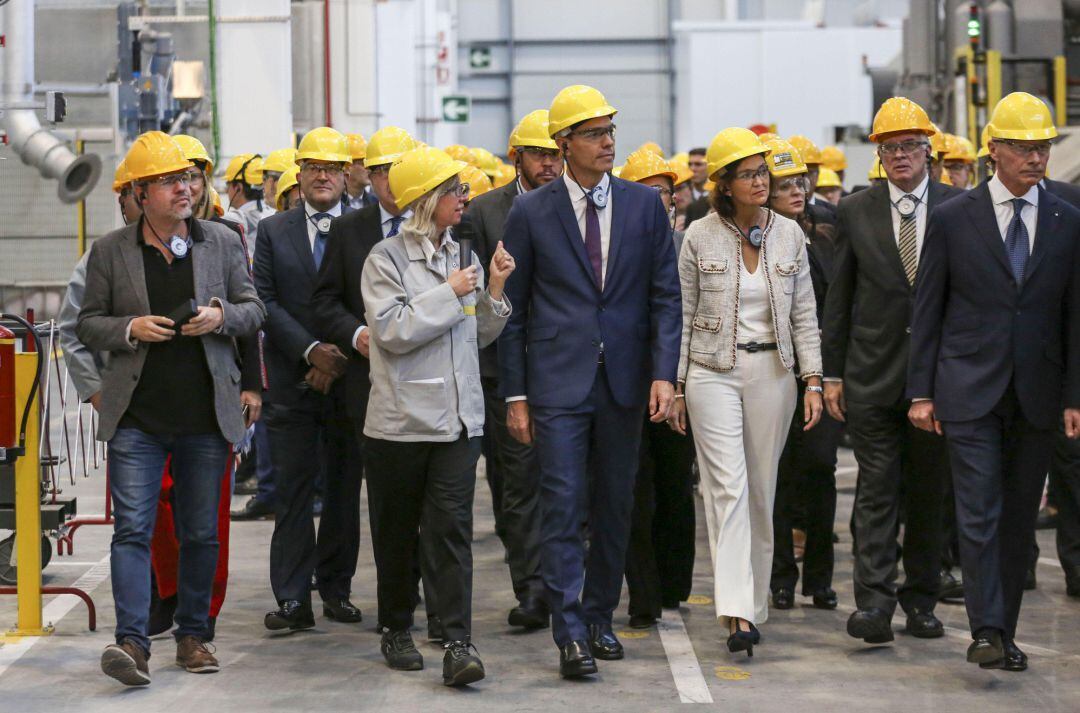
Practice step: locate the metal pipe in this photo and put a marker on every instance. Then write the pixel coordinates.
(35, 145)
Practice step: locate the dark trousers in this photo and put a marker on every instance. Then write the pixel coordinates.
(311, 436)
(1065, 484)
(900, 466)
(423, 490)
(999, 465)
(660, 558)
(588, 460)
(806, 495)
(514, 477)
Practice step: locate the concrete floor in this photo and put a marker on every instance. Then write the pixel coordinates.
(806, 662)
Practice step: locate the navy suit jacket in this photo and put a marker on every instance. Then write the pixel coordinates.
(285, 278)
(549, 348)
(974, 329)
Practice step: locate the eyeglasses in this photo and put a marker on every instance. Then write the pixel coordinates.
(331, 170)
(662, 190)
(791, 185)
(748, 175)
(172, 180)
(539, 152)
(906, 147)
(596, 134)
(461, 190)
(381, 169)
(196, 175)
(1026, 148)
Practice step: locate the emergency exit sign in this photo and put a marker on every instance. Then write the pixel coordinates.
(456, 108)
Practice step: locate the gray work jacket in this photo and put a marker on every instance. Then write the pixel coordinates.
(425, 341)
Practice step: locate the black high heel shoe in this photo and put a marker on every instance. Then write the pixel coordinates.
(741, 640)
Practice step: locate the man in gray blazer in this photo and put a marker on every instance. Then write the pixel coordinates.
(512, 472)
(170, 388)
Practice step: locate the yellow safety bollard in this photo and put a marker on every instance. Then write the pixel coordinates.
(28, 507)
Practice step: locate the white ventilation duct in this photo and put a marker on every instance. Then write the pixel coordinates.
(36, 145)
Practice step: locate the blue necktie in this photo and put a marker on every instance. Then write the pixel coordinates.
(395, 225)
(320, 240)
(1016, 241)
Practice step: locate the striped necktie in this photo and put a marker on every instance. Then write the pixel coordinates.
(909, 253)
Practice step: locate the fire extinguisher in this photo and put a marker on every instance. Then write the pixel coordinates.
(12, 446)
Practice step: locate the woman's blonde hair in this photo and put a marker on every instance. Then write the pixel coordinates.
(204, 209)
(422, 221)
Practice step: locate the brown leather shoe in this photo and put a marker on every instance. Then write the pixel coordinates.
(194, 656)
(126, 662)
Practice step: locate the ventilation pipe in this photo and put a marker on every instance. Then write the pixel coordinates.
(35, 145)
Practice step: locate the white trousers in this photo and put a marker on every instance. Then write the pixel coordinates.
(741, 421)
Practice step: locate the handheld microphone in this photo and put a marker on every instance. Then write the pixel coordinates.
(465, 251)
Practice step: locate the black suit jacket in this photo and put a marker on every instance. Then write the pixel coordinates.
(251, 366)
(338, 303)
(867, 318)
(975, 330)
(697, 209)
(483, 222)
(1068, 192)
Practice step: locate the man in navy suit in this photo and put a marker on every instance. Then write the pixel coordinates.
(307, 413)
(594, 340)
(995, 353)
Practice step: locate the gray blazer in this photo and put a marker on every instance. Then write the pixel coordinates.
(116, 294)
(425, 370)
(83, 365)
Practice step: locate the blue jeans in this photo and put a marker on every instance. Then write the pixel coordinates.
(264, 467)
(136, 463)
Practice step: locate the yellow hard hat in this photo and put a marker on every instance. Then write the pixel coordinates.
(960, 149)
(730, 145)
(357, 146)
(1023, 117)
(784, 159)
(574, 105)
(387, 145)
(479, 183)
(155, 153)
(324, 144)
(215, 200)
(121, 178)
(419, 171)
(532, 131)
(507, 174)
(809, 151)
(652, 146)
(768, 136)
(900, 114)
(486, 161)
(876, 169)
(280, 161)
(290, 178)
(984, 143)
(462, 153)
(939, 144)
(643, 163)
(245, 168)
(833, 158)
(194, 150)
(680, 163)
(828, 178)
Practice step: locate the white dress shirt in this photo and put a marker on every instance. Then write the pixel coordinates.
(921, 191)
(579, 204)
(1002, 199)
(309, 212)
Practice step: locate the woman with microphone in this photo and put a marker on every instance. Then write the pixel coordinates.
(748, 314)
(428, 311)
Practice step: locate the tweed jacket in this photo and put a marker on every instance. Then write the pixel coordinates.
(709, 270)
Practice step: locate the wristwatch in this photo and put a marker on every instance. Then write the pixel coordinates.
(814, 390)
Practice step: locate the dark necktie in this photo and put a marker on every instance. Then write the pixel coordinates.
(319, 249)
(395, 225)
(592, 242)
(1016, 241)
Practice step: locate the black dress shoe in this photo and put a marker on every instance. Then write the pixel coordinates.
(604, 644)
(950, 587)
(783, 598)
(1013, 660)
(247, 486)
(253, 510)
(871, 625)
(924, 625)
(292, 615)
(986, 648)
(530, 614)
(461, 665)
(342, 610)
(824, 598)
(642, 621)
(400, 652)
(575, 660)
